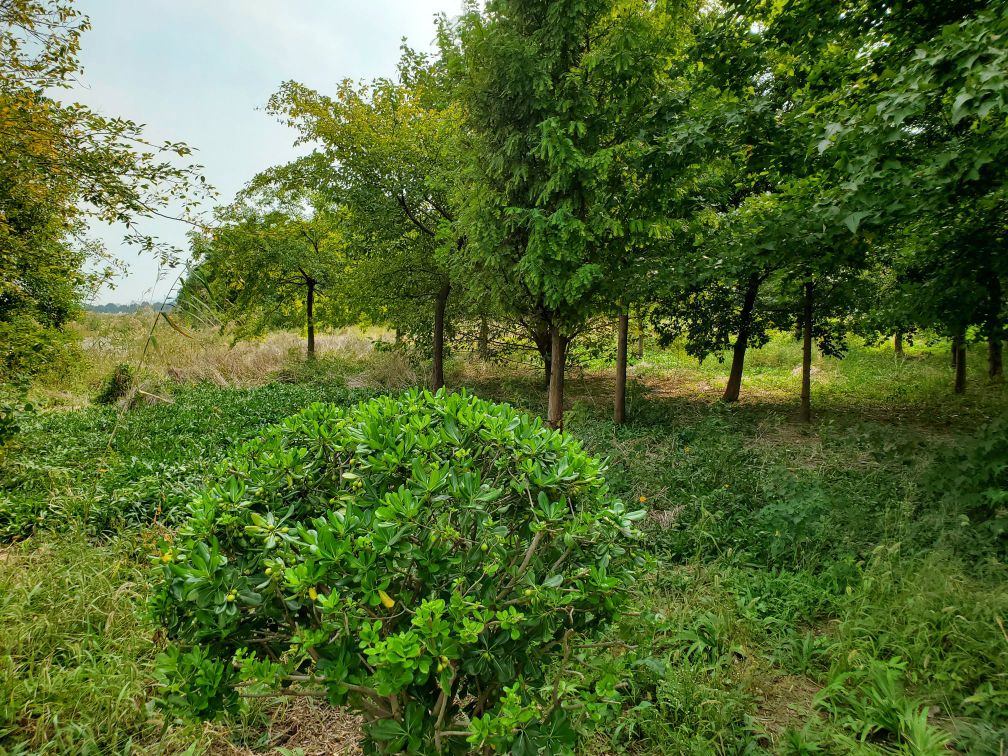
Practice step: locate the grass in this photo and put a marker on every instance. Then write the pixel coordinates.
(821, 589)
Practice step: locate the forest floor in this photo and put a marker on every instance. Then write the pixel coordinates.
(839, 587)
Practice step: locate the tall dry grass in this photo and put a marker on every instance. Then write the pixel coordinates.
(159, 350)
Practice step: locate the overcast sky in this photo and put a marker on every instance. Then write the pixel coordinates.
(200, 71)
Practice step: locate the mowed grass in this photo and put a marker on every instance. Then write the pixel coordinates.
(819, 589)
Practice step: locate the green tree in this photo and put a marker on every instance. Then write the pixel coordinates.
(551, 94)
(926, 152)
(266, 264)
(64, 167)
(388, 153)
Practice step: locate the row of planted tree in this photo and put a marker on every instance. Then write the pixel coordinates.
(720, 170)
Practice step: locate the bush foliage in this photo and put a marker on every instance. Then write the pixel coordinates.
(438, 562)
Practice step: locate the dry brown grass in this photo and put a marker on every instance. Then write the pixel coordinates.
(302, 725)
(213, 358)
(390, 371)
(785, 701)
(159, 350)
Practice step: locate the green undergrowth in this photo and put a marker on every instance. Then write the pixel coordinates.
(834, 589)
(100, 469)
(831, 589)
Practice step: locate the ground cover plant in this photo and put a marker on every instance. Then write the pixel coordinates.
(839, 588)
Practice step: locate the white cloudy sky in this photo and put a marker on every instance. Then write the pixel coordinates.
(200, 71)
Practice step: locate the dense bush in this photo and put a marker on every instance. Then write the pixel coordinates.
(117, 386)
(437, 561)
(970, 480)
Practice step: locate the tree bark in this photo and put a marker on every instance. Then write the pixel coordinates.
(440, 304)
(640, 343)
(541, 335)
(558, 354)
(959, 342)
(310, 307)
(806, 375)
(898, 343)
(731, 393)
(623, 332)
(954, 352)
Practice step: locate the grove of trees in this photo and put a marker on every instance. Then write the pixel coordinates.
(714, 170)
(722, 170)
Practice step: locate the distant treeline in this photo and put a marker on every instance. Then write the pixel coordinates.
(128, 309)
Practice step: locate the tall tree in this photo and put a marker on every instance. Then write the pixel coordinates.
(388, 152)
(551, 94)
(271, 265)
(919, 133)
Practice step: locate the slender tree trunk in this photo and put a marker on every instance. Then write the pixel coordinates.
(954, 352)
(310, 307)
(484, 339)
(898, 343)
(619, 408)
(542, 338)
(995, 331)
(440, 304)
(960, 366)
(398, 337)
(640, 343)
(558, 353)
(995, 359)
(806, 374)
(731, 393)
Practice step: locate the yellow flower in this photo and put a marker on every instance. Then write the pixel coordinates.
(312, 593)
(387, 601)
(642, 499)
(686, 449)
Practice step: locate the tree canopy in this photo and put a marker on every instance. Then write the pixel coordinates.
(64, 167)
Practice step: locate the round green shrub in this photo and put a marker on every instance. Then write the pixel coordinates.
(438, 562)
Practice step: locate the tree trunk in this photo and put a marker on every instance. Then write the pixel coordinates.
(440, 303)
(898, 343)
(483, 347)
(960, 363)
(806, 374)
(640, 343)
(954, 352)
(558, 349)
(310, 307)
(995, 359)
(731, 393)
(619, 408)
(542, 338)
(995, 331)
